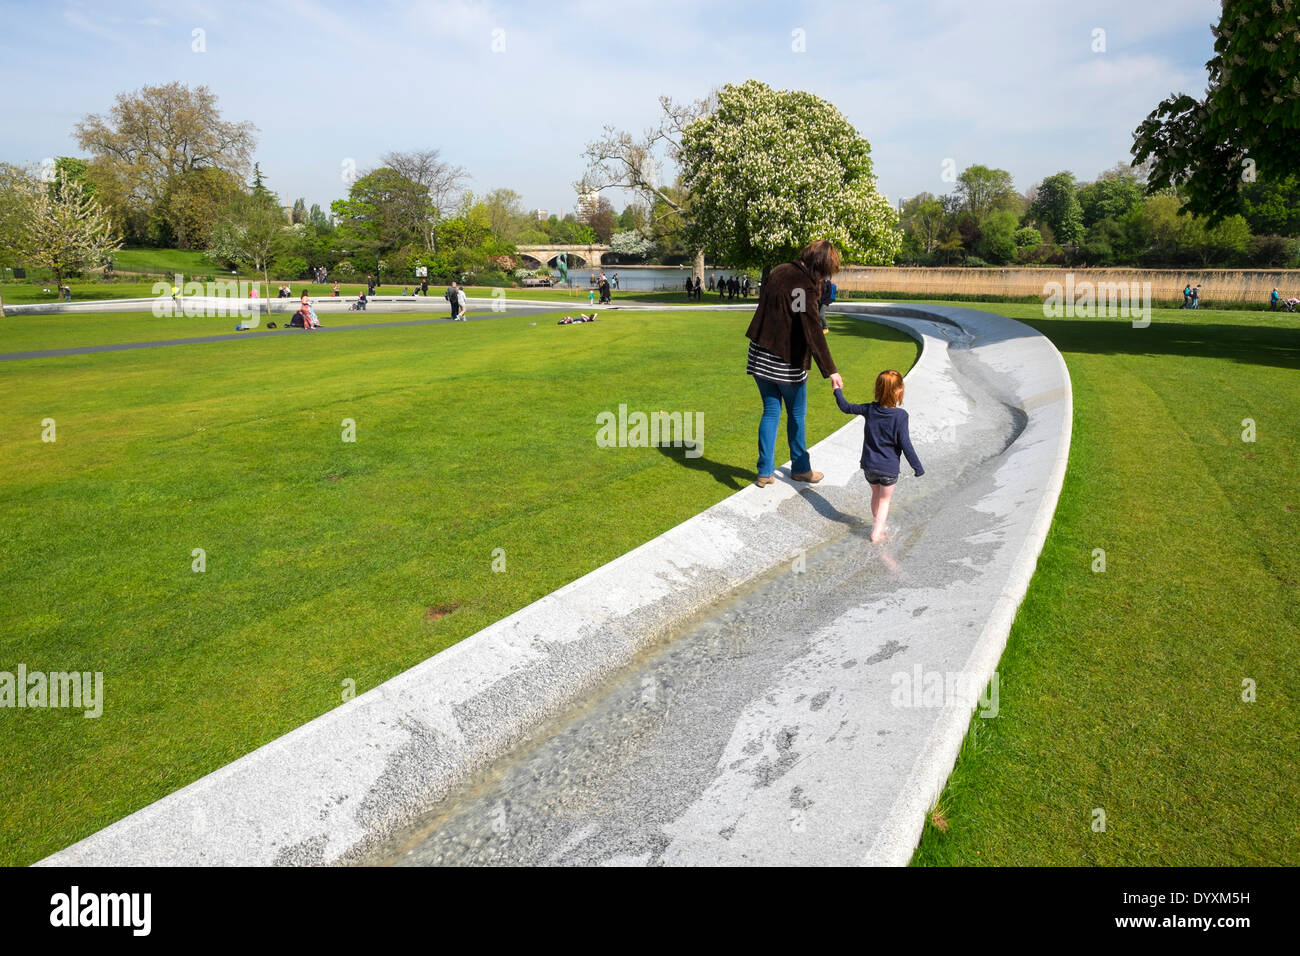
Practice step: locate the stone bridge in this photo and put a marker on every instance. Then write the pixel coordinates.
(580, 257)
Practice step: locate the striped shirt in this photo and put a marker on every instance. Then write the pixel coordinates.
(763, 364)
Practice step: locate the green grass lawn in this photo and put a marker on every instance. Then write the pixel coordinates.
(27, 333)
(163, 261)
(324, 559)
(1123, 690)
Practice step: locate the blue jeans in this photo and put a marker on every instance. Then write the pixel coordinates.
(796, 403)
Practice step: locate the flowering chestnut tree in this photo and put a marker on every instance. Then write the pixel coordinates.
(771, 170)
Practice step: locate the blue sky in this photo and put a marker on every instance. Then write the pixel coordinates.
(1008, 83)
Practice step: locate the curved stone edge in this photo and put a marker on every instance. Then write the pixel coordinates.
(1042, 389)
(337, 786)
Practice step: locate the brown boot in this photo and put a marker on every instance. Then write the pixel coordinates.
(764, 480)
(812, 477)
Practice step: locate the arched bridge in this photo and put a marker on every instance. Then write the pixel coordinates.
(580, 257)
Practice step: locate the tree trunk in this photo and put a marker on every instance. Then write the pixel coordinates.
(698, 268)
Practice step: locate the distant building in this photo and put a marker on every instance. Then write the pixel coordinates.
(588, 203)
(541, 214)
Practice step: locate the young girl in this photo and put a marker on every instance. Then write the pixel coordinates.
(884, 438)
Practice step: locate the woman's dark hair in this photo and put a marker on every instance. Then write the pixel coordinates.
(820, 258)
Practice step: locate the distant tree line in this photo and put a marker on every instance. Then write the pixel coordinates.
(1112, 221)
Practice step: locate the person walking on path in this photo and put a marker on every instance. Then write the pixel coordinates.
(1196, 297)
(1187, 296)
(452, 295)
(1273, 299)
(784, 335)
(462, 305)
(829, 292)
(884, 438)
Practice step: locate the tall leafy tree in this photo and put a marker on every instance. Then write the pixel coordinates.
(192, 202)
(1248, 123)
(602, 219)
(385, 211)
(151, 136)
(1272, 205)
(505, 210)
(770, 170)
(984, 190)
(1110, 197)
(248, 231)
(924, 219)
(1057, 205)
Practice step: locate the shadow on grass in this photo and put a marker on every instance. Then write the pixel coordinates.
(1261, 343)
(723, 473)
(1247, 344)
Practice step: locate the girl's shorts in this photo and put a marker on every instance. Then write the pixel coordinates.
(876, 478)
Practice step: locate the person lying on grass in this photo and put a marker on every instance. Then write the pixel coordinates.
(884, 439)
(582, 317)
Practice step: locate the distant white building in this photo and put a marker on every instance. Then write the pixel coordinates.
(541, 214)
(588, 203)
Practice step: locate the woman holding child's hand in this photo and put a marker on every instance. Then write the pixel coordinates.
(785, 333)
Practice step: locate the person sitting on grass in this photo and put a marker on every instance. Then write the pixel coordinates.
(884, 438)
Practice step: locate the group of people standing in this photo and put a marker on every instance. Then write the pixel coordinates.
(1191, 296)
(728, 287)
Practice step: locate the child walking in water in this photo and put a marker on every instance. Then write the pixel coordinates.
(884, 438)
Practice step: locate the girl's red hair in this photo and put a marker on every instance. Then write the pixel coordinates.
(889, 388)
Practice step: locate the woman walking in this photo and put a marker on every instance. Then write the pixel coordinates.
(785, 334)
